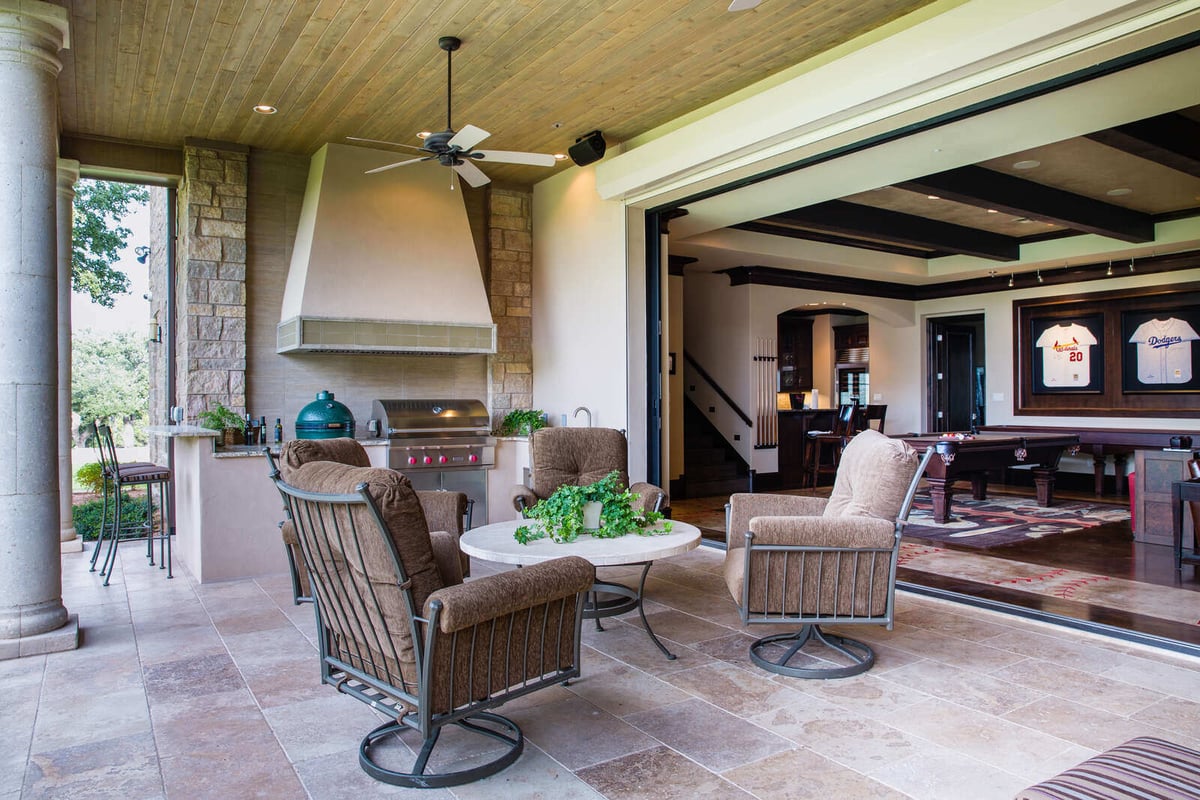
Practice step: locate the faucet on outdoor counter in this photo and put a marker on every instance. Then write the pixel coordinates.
(585, 410)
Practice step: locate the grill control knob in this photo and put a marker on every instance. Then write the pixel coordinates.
(428, 459)
(442, 459)
(472, 458)
(412, 459)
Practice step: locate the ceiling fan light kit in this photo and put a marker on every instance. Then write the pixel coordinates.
(456, 149)
(588, 148)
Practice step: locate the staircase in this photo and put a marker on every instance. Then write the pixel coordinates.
(710, 465)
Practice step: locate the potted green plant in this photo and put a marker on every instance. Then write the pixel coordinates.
(521, 422)
(561, 515)
(220, 418)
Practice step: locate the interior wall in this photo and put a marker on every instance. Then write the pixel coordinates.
(278, 386)
(580, 304)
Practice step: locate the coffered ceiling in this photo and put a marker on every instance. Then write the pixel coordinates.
(535, 73)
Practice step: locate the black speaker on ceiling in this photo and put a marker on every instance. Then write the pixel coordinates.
(587, 149)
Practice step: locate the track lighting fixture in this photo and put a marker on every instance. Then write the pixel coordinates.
(1131, 265)
(1039, 276)
(1108, 272)
(1011, 279)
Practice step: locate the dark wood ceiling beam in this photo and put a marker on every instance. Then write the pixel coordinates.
(759, 226)
(880, 224)
(987, 188)
(1172, 140)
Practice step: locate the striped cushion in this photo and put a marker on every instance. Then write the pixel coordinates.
(1144, 768)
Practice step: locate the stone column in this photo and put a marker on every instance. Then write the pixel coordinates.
(32, 616)
(211, 279)
(68, 173)
(510, 228)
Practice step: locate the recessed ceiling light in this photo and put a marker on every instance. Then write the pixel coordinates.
(1121, 192)
(1023, 220)
(424, 134)
(932, 197)
(1027, 164)
(560, 156)
(991, 211)
(263, 108)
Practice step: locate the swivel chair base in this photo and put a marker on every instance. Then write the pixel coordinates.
(861, 656)
(508, 734)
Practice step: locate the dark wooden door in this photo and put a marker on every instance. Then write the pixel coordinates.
(956, 364)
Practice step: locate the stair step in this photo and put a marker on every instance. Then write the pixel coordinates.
(708, 455)
(712, 472)
(717, 488)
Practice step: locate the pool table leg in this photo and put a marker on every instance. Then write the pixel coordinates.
(1043, 478)
(940, 492)
(979, 485)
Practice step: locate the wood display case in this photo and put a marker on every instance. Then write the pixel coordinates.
(1156, 471)
(1087, 355)
(795, 353)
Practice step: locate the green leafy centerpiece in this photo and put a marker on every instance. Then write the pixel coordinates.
(561, 515)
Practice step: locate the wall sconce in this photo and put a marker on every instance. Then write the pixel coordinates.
(142, 252)
(588, 148)
(155, 330)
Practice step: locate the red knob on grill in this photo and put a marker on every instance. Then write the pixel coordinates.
(442, 459)
(428, 459)
(412, 459)
(472, 458)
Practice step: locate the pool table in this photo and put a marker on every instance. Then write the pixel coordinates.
(975, 454)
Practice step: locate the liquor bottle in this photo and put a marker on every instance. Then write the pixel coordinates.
(262, 430)
(251, 431)
(278, 431)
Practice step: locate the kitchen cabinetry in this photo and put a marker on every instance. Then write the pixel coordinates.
(852, 349)
(795, 353)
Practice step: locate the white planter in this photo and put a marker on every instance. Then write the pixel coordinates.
(591, 515)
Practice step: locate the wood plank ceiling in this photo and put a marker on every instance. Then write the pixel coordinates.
(535, 73)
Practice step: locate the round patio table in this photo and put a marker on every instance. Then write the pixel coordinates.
(495, 543)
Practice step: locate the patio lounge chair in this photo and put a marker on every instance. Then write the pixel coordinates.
(422, 650)
(577, 457)
(817, 561)
(444, 511)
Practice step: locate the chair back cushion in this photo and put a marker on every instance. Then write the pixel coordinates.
(299, 452)
(872, 477)
(361, 575)
(575, 457)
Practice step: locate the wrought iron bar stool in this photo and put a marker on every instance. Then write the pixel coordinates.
(833, 442)
(108, 486)
(128, 476)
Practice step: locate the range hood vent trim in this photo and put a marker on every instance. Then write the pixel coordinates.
(383, 337)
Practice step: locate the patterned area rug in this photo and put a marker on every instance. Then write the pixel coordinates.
(1000, 521)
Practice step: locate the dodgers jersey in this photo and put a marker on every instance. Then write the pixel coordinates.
(1066, 355)
(1164, 350)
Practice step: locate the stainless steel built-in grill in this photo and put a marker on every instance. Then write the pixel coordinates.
(439, 444)
(435, 434)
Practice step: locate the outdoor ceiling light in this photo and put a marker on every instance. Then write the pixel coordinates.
(263, 108)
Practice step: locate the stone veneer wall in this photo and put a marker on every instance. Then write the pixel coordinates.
(211, 279)
(510, 227)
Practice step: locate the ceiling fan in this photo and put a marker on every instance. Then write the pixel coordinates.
(456, 149)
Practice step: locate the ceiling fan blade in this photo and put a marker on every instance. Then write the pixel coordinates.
(468, 137)
(471, 173)
(381, 141)
(743, 5)
(393, 166)
(515, 157)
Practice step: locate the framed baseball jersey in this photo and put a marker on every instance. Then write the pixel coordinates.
(1162, 350)
(1068, 354)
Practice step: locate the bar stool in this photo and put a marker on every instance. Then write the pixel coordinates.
(128, 476)
(833, 442)
(108, 484)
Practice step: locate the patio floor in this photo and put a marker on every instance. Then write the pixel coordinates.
(183, 690)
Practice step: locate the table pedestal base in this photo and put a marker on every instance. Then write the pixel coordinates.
(620, 599)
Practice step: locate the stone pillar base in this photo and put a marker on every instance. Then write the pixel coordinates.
(71, 545)
(56, 641)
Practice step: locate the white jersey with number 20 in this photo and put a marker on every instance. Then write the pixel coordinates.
(1066, 355)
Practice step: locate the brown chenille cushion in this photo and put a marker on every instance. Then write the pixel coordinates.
(299, 452)
(575, 457)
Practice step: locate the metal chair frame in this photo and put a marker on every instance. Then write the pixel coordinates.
(860, 655)
(347, 617)
(116, 480)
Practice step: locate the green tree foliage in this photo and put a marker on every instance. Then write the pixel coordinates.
(110, 377)
(98, 237)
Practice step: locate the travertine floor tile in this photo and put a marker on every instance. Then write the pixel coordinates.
(713, 738)
(802, 774)
(658, 774)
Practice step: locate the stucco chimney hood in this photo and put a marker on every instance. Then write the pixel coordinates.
(383, 263)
